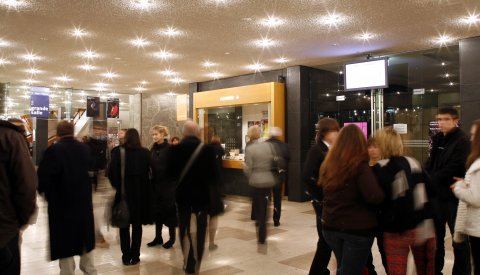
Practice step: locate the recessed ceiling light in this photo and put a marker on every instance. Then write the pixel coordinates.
(366, 36)
(89, 54)
(208, 64)
(30, 56)
(168, 72)
(171, 32)
(87, 67)
(55, 85)
(447, 75)
(4, 61)
(139, 89)
(109, 75)
(30, 81)
(101, 84)
(4, 43)
(215, 75)
(171, 93)
(63, 78)
(471, 19)
(139, 42)
(144, 82)
(281, 60)
(451, 83)
(33, 71)
(265, 42)
(164, 55)
(78, 32)
(443, 63)
(227, 53)
(332, 19)
(272, 22)
(144, 5)
(256, 66)
(443, 39)
(14, 4)
(176, 80)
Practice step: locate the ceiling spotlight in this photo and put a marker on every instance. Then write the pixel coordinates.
(272, 22)
(281, 60)
(63, 78)
(101, 84)
(447, 75)
(30, 81)
(168, 72)
(265, 42)
(139, 42)
(78, 32)
(366, 36)
(4, 61)
(89, 54)
(215, 75)
(171, 93)
(163, 54)
(13, 4)
(109, 75)
(144, 82)
(4, 43)
(443, 63)
(139, 89)
(31, 57)
(171, 31)
(332, 19)
(55, 85)
(176, 80)
(451, 83)
(256, 66)
(208, 64)
(33, 71)
(143, 5)
(87, 67)
(443, 39)
(471, 19)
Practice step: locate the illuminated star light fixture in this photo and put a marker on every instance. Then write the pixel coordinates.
(171, 93)
(171, 32)
(164, 55)
(140, 42)
(471, 19)
(266, 42)
(31, 57)
(257, 67)
(176, 80)
(33, 71)
(143, 5)
(215, 75)
(110, 75)
(208, 64)
(87, 67)
(281, 60)
(89, 54)
(139, 88)
(168, 72)
(332, 19)
(4, 43)
(63, 78)
(78, 32)
(365, 36)
(443, 39)
(4, 61)
(272, 22)
(14, 4)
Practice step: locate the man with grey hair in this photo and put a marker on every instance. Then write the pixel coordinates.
(282, 154)
(194, 168)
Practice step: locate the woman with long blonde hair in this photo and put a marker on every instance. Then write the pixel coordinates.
(350, 189)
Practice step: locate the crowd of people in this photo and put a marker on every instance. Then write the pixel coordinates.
(360, 190)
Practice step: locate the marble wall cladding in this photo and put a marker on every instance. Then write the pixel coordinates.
(159, 109)
(135, 115)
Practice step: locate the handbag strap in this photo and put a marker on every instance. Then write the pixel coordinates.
(122, 173)
(190, 162)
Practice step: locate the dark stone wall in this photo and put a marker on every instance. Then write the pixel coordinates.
(469, 81)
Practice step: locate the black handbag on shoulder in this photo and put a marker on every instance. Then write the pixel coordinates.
(120, 211)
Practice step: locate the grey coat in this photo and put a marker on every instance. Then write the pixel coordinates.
(258, 165)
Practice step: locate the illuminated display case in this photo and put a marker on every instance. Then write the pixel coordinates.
(227, 113)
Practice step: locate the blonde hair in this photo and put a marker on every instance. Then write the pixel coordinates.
(254, 132)
(161, 129)
(390, 142)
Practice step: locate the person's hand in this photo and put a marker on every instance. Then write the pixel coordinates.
(453, 186)
(457, 179)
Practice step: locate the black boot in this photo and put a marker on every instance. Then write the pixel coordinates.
(158, 235)
(169, 244)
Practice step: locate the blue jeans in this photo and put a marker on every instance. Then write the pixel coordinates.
(350, 250)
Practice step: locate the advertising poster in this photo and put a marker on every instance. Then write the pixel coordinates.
(113, 108)
(93, 106)
(39, 102)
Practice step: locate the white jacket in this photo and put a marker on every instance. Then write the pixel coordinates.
(468, 192)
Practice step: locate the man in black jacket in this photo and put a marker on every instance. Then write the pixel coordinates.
(449, 152)
(192, 195)
(328, 129)
(17, 190)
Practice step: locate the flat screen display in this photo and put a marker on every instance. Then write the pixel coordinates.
(366, 75)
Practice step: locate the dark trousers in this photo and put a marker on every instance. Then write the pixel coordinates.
(277, 202)
(324, 252)
(131, 250)
(158, 230)
(350, 250)
(260, 203)
(193, 245)
(475, 246)
(10, 257)
(446, 213)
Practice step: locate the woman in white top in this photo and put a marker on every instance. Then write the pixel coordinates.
(468, 192)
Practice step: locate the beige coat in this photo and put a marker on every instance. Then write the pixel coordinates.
(258, 165)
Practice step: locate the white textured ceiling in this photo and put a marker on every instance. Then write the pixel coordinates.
(210, 29)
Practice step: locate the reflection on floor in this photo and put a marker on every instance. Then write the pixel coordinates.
(289, 249)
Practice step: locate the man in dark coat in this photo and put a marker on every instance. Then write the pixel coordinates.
(192, 192)
(63, 178)
(450, 149)
(17, 192)
(283, 153)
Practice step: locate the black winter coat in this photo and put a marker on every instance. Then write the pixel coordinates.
(447, 160)
(138, 187)
(193, 191)
(98, 151)
(164, 188)
(63, 177)
(311, 170)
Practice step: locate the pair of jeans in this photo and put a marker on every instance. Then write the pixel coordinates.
(131, 250)
(190, 222)
(322, 255)
(10, 257)
(87, 266)
(350, 250)
(446, 214)
(260, 204)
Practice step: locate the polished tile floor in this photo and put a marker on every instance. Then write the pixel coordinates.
(289, 249)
